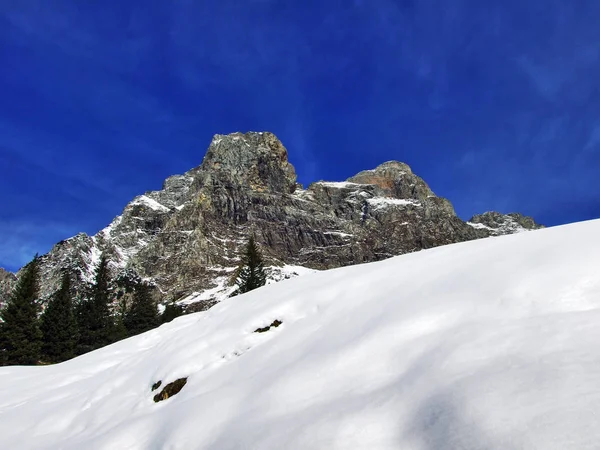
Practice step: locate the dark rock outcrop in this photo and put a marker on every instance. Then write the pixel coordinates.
(187, 237)
(170, 389)
(274, 324)
(494, 223)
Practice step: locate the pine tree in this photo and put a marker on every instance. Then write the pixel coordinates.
(20, 335)
(96, 326)
(143, 315)
(251, 272)
(59, 326)
(119, 331)
(83, 315)
(102, 321)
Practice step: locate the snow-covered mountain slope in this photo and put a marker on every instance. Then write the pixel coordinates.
(488, 344)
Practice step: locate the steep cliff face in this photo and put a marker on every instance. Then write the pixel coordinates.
(187, 237)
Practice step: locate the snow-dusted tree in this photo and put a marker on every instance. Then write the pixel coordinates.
(96, 324)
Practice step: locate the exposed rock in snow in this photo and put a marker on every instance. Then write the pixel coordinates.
(170, 390)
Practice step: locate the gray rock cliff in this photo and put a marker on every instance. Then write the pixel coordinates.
(186, 238)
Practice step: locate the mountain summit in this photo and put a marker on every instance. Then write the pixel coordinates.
(254, 161)
(186, 238)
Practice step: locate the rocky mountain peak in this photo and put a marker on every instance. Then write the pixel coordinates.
(395, 179)
(186, 239)
(257, 161)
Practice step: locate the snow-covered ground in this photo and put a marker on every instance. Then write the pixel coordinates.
(489, 344)
(223, 287)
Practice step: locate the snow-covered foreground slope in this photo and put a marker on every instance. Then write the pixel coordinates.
(490, 344)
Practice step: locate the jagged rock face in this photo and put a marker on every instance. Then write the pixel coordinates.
(396, 180)
(255, 161)
(188, 236)
(7, 280)
(494, 223)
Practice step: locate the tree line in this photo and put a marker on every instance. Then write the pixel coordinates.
(67, 328)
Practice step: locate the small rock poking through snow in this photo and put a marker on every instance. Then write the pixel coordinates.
(170, 390)
(275, 324)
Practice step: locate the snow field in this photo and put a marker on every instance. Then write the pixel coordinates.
(489, 344)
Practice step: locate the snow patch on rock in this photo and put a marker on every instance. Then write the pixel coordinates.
(150, 203)
(338, 184)
(385, 202)
(480, 226)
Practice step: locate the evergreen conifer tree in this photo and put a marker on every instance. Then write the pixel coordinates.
(143, 314)
(83, 315)
(102, 321)
(59, 325)
(120, 330)
(20, 335)
(96, 326)
(251, 272)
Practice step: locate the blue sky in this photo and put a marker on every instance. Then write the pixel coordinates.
(496, 104)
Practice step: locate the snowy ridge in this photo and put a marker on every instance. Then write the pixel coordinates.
(106, 233)
(150, 203)
(485, 344)
(124, 242)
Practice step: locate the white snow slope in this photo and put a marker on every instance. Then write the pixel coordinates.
(489, 344)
